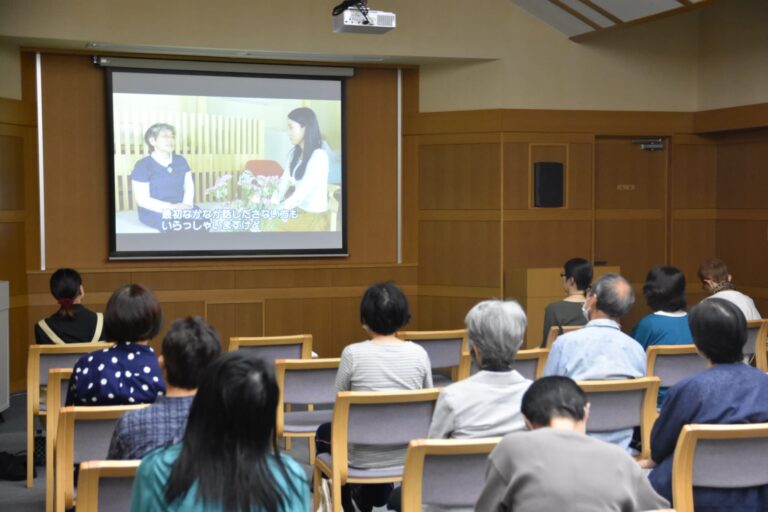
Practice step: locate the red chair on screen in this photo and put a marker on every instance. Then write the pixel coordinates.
(264, 167)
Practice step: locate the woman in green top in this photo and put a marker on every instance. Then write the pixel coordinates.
(577, 278)
(229, 459)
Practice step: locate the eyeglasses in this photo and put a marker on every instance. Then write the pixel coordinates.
(562, 274)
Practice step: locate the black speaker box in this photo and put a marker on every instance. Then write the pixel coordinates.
(548, 185)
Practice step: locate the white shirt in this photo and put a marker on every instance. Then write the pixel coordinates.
(311, 192)
(744, 303)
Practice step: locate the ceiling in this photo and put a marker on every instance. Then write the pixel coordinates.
(580, 18)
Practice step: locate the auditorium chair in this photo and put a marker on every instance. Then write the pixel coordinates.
(58, 383)
(720, 456)
(757, 331)
(622, 404)
(673, 363)
(84, 434)
(557, 330)
(272, 348)
(447, 473)
(446, 349)
(305, 382)
(40, 359)
(105, 485)
(374, 419)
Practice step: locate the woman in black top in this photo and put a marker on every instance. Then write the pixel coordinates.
(73, 322)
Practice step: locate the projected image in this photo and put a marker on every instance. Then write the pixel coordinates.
(226, 165)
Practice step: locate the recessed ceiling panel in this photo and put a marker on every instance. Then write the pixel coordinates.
(584, 9)
(629, 10)
(553, 15)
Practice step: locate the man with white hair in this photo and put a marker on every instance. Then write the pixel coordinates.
(486, 404)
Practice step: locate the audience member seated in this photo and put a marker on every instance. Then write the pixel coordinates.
(189, 347)
(664, 291)
(716, 280)
(487, 404)
(556, 467)
(383, 363)
(73, 322)
(127, 372)
(600, 350)
(577, 278)
(229, 458)
(727, 393)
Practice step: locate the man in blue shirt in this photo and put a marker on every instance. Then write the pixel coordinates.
(188, 349)
(600, 350)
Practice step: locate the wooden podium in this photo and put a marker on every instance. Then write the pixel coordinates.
(534, 288)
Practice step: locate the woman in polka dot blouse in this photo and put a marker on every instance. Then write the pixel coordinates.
(127, 372)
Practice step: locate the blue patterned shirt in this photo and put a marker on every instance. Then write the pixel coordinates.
(160, 425)
(124, 374)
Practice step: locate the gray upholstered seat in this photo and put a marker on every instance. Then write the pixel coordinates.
(673, 363)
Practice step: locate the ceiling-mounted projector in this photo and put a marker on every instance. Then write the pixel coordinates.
(354, 16)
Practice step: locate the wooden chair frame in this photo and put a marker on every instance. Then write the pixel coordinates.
(65, 445)
(554, 332)
(761, 346)
(419, 449)
(263, 341)
(650, 387)
(685, 450)
(283, 365)
(53, 407)
(339, 473)
(33, 389)
(460, 372)
(540, 354)
(93, 471)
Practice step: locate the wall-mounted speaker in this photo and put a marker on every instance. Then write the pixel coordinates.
(548, 190)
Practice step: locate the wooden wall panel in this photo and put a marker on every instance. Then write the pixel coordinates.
(620, 163)
(11, 172)
(517, 176)
(459, 177)
(410, 197)
(634, 245)
(346, 327)
(743, 245)
(444, 312)
(580, 176)
(693, 173)
(299, 316)
(12, 256)
(742, 174)
(21, 337)
(692, 241)
(538, 244)
(459, 253)
(186, 280)
(241, 319)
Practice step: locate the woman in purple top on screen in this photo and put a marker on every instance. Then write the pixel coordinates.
(162, 180)
(128, 372)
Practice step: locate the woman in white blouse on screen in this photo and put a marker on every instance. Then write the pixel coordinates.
(307, 170)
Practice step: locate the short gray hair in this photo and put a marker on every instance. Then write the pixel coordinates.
(496, 329)
(615, 296)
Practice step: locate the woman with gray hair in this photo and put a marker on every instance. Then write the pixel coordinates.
(487, 404)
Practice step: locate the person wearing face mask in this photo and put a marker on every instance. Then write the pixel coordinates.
(600, 350)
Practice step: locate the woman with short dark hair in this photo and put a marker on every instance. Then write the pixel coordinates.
(577, 278)
(730, 392)
(383, 363)
(73, 322)
(128, 372)
(664, 291)
(229, 458)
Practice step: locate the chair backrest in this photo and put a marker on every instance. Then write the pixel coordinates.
(272, 348)
(58, 382)
(42, 358)
(305, 381)
(557, 330)
(444, 348)
(530, 363)
(757, 331)
(445, 472)
(622, 404)
(672, 363)
(84, 434)
(105, 485)
(719, 456)
(378, 418)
